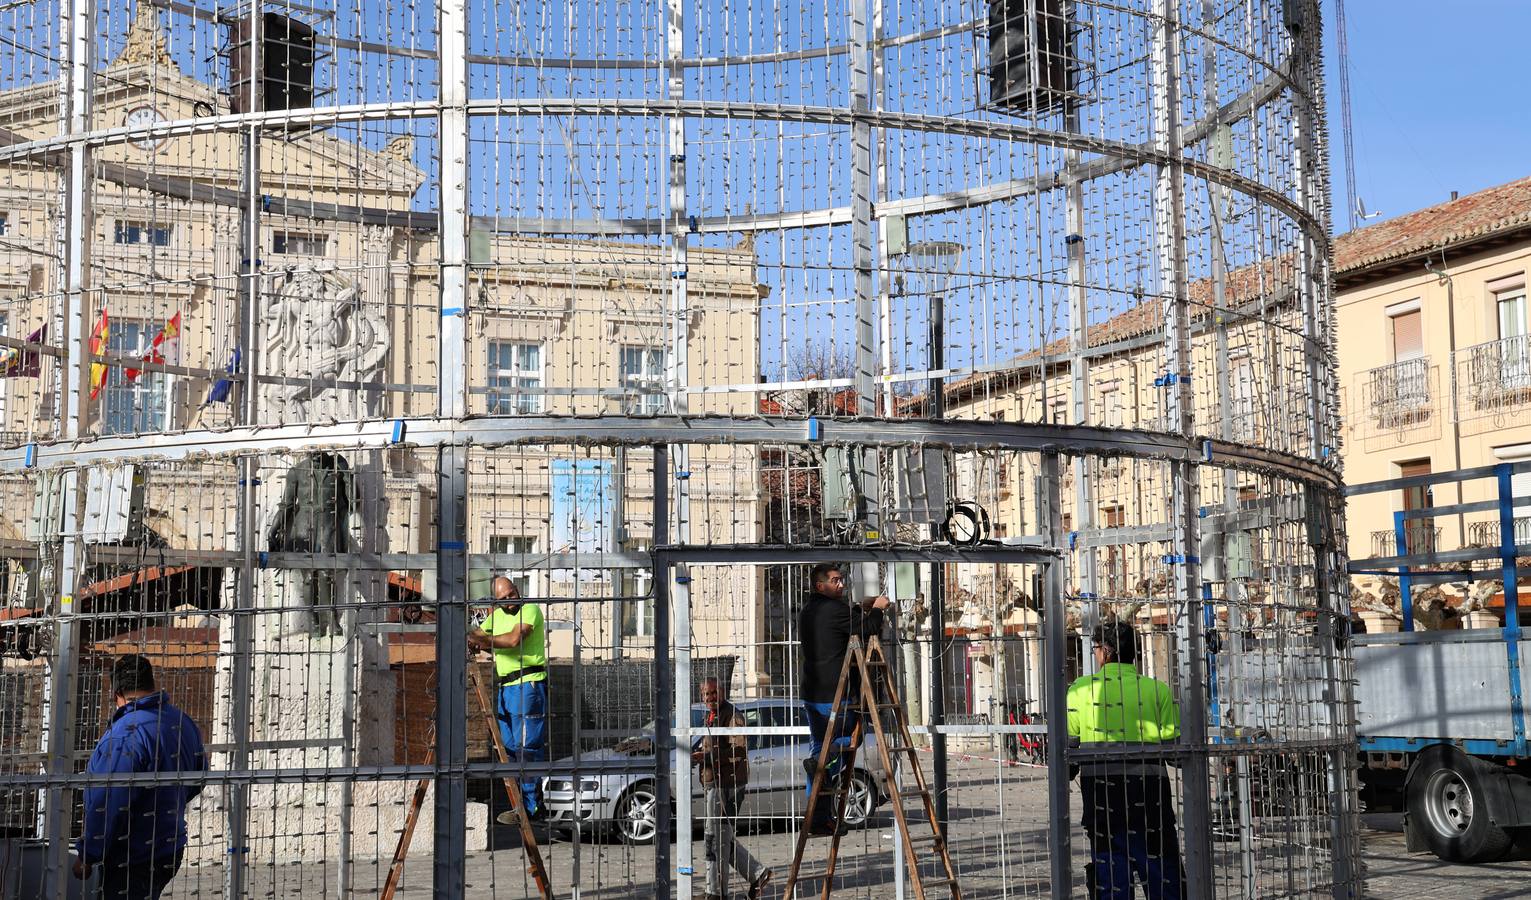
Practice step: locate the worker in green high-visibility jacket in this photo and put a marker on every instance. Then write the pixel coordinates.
(1129, 812)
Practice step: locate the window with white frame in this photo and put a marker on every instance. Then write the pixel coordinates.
(131, 407)
(300, 243)
(521, 544)
(1059, 410)
(5, 224)
(642, 372)
(1111, 405)
(1514, 336)
(1242, 395)
(637, 604)
(513, 368)
(130, 232)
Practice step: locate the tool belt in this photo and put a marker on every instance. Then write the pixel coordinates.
(520, 673)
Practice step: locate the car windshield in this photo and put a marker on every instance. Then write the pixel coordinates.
(645, 734)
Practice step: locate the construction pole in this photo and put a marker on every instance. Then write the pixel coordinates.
(1173, 291)
(1055, 676)
(78, 36)
(450, 844)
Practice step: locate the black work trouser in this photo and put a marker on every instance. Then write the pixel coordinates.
(1130, 821)
(140, 879)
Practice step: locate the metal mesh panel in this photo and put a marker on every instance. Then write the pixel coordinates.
(317, 318)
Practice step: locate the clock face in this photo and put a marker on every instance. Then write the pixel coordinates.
(144, 117)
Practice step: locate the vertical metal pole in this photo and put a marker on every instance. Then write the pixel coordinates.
(242, 666)
(664, 690)
(677, 380)
(451, 673)
(1342, 818)
(79, 55)
(452, 462)
(1079, 362)
(1505, 478)
(1169, 238)
(936, 357)
(863, 261)
(1055, 675)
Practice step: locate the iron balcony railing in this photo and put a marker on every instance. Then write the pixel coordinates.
(1398, 395)
(1421, 538)
(1495, 375)
(1486, 534)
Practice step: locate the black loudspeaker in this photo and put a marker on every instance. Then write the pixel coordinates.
(287, 64)
(1030, 55)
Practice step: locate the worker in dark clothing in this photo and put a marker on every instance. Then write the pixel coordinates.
(1129, 812)
(137, 832)
(825, 627)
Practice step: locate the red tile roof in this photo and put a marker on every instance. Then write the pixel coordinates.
(1465, 220)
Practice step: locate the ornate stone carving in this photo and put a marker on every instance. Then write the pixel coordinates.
(317, 328)
(401, 149)
(145, 43)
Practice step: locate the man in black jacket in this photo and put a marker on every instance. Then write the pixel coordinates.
(825, 626)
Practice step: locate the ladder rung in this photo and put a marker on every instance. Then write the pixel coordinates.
(913, 793)
(936, 883)
(921, 839)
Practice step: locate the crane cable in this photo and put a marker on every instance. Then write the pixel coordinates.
(1342, 52)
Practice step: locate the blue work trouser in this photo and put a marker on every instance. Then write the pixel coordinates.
(522, 714)
(840, 742)
(1130, 820)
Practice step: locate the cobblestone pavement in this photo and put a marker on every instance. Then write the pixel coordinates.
(999, 844)
(1393, 872)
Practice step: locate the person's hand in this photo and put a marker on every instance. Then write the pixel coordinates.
(81, 868)
(881, 602)
(697, 756)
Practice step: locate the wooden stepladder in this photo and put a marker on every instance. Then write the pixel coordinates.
(877, 703)
(534, 864)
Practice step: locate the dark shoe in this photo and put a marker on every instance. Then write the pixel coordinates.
(759, 884)
(810, 766)
(826, 830)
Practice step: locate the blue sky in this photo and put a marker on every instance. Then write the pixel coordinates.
(1439, 100)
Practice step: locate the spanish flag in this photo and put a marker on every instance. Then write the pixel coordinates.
(98, 339)
(165, 349)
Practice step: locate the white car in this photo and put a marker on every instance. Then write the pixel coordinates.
(626, 801)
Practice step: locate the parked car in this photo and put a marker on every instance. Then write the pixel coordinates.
(626, 801)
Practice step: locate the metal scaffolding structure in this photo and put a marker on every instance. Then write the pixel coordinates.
(316, 317)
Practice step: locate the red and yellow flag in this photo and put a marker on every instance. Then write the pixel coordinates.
(166, 348)
(98, 339)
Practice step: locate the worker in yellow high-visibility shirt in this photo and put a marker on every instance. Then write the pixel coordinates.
(1129, 812)
(515, 631)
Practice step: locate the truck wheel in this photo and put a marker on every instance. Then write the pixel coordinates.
(1446, 802)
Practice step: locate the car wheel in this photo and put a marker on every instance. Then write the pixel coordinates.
(636, 819)
(1447, 804)
(862, 800)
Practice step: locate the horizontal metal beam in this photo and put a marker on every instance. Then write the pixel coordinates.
(762, 555)
(1466, 554)
(1455, 475)
(631, 431)
(328, 774)
(47, 150)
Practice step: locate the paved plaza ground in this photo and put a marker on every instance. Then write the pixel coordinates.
(998, 843)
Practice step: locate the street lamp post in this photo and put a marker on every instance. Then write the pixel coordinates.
(931, 265)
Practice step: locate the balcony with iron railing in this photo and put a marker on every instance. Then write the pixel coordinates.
(1398, 395)
(1486, 534)
(1494, 377)
(1421, 538)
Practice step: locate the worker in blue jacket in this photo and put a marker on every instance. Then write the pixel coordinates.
(136, 832)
